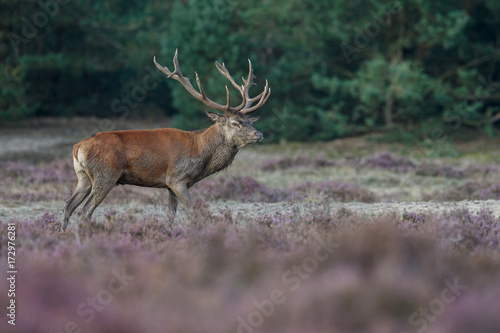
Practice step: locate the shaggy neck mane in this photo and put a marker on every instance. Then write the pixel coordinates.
(216, 150)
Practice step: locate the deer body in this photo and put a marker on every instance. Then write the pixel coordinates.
(164, 158)
(156, 158)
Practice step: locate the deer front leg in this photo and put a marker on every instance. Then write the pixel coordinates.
(180, 191)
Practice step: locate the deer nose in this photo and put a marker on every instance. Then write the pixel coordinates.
(258, 135)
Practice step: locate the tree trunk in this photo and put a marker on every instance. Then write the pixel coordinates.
(389, 104)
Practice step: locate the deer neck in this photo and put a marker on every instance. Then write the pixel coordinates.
(216, 151)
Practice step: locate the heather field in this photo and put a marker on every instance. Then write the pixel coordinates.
(353, 235)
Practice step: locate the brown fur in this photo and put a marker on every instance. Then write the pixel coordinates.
(162, 158)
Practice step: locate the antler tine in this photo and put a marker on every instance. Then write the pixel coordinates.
(201, 95)
(202, 91)
(250, 74)
(263, 97)
(250, 101)
(177, 68)
(246, 103)
(167, 71)
(177, 75)
(249, 81)
(223, 70)
(164, 70)
(228, 105)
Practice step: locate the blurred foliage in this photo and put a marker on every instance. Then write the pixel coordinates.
(336, 68)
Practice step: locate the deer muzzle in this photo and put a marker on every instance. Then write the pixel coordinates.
(258, 136)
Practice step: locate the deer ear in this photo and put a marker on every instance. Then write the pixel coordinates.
(253, 119)
(214, 116)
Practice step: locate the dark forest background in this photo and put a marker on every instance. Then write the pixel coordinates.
(339, 68)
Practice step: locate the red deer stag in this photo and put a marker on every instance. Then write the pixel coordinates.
(166, 157)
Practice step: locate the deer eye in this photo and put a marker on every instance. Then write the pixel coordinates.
(236, 124)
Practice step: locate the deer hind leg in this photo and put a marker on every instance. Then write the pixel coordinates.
(82, 190)
(172, 202)
(100, 190)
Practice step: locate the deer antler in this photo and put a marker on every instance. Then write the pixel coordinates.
(246, 104)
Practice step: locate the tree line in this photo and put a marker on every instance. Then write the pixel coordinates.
(335, 68)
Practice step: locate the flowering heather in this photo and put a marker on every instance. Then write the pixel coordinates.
(244, 189)
(335, 267)
(471, 190)
(457, 193)
(391, 162)
(471, 313)
(25, 183)
(488, 192)
(481, 169)
(22, 182)
(247, 189)
(469, 231)
(410, 221)
(334, 190)
(58, 171)
(288, 162)
(388, 161)
(337, 271)
(440, 170)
